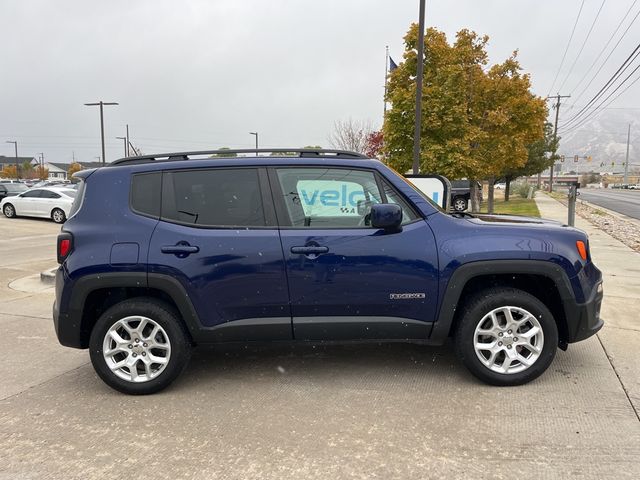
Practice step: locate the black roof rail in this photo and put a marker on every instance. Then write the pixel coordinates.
(223, 153)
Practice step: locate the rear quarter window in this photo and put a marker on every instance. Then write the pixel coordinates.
(77, 201)
(145, 194)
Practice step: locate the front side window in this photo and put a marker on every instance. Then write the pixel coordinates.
(32, 194)
(328, 197)
(221, 197)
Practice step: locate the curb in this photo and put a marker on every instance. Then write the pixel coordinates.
(48, 276)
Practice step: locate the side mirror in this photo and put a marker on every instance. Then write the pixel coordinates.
(387, 216)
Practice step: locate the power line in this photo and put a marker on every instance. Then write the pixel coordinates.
(583, 45)
(595, 75)
(628, 61)
(575, 127)
(605, 47)
(566, 49)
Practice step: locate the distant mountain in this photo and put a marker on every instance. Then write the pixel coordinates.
(605, 140)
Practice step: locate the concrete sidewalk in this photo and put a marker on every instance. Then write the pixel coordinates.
(620, 267)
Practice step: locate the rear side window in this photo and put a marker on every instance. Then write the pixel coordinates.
(49, 194)
(213, 198)
(145, 194)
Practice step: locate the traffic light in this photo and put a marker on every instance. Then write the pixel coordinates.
(562, 158)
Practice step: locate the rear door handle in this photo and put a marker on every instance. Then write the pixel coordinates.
(312, 250)
(180, 249)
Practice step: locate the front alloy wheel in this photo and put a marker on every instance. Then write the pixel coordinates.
(139, 346)
(506, 336)
(508, 340)
(9, 211)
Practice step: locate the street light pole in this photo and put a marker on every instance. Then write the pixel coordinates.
(124, 139)
(15, 144)
(626, 162)
(101, 104)
(419, 72)
(256, 135)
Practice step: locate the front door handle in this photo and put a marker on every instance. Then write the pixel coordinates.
(181, 249)
(310, 250)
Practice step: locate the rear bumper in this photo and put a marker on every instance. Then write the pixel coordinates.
(67, 325)
(583, 319)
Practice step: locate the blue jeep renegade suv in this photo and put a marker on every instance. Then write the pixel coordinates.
(164, 252)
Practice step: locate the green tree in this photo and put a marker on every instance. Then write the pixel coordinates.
(477, 120)
(225, 155)
(539, 158)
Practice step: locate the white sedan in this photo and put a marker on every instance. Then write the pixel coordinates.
(45, 202)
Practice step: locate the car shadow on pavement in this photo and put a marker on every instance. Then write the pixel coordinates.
(321, 362)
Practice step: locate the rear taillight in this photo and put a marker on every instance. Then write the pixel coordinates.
(65, 245)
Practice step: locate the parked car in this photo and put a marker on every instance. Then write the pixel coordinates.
(634, 186)
(161, 253)
(11, 189)
(500, 186)
(461, 194)
(46, 202)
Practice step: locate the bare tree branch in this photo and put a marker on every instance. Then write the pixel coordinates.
(350, 135)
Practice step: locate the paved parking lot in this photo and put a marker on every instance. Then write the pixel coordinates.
(373, 411)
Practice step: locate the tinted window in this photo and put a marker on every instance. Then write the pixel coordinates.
(32, 194)
(217, 197)
(145, 193)
(49, 194)
(328, 197)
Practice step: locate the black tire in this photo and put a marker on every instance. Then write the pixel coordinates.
(460, 204)
(9, 210)
(475, 309)
(58, 215)
(162, 314)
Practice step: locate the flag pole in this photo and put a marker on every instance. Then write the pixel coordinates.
(386, 73)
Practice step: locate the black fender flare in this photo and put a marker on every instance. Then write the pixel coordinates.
(468, 271)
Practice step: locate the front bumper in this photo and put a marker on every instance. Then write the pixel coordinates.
(583, 320)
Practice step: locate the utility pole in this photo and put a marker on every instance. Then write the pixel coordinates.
(15, 144)
(419, 72)
(127, 149)
(626, 162)
(101, 104)
(41, 159)
(256, 135)
(124, 139)
(558, 98)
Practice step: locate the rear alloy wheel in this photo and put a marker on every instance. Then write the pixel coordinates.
(506, 336)
(139, 346)
(460, 204)
(9, 211)
(58, 216)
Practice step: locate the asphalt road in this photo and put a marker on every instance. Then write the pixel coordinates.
(376, 411)
(626, 202)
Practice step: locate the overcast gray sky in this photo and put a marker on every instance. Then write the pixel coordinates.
(197, 74)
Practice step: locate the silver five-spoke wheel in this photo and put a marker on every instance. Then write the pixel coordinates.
(508, 340)
(136, 349)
